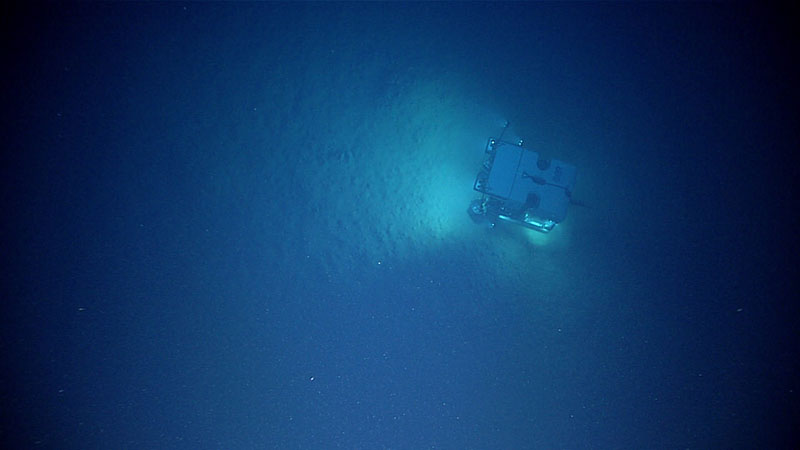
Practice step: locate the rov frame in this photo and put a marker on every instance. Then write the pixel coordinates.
(520, 187)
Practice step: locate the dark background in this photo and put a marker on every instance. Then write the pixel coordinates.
(204, 244)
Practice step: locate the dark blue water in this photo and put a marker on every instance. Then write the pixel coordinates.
(244, 226)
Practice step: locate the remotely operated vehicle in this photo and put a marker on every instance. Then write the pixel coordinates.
(518, 186)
